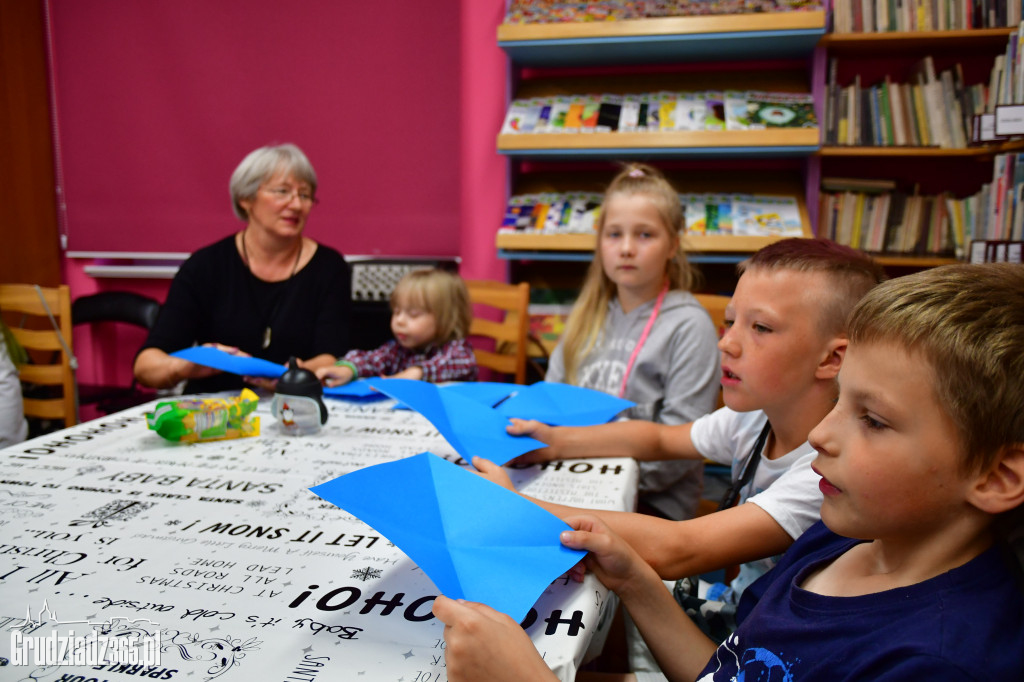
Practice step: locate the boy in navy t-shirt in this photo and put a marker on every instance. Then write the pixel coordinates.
(911, 575)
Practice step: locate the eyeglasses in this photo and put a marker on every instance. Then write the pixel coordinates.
(284, 195)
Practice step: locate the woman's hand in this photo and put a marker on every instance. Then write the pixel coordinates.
(538, 431)
(483, 644)
(335, 375)
(493, 473)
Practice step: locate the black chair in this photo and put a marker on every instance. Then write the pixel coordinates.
(114, 306)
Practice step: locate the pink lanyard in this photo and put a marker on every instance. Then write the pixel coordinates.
(643, 338)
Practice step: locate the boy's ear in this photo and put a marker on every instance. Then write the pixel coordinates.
(832, 360)
(1001, 488)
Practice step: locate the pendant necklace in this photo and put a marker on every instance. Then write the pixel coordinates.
(273, 311)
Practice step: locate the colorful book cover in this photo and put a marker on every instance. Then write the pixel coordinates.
(764, 215)
(736, 111)
(559, 112)
(695, 216)
(588, 117)
(608, 113)
(690, 111)
(629, 114)
(781, 110)
(574, 117)
(714, 111)
(666, 111)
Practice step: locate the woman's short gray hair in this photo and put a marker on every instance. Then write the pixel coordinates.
(261, 165)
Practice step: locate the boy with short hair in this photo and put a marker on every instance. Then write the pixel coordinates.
(912, 575)
(782, 347)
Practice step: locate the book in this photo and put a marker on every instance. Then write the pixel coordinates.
(737, 115)
(780, 110)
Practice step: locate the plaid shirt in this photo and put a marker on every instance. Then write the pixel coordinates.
(453, 361)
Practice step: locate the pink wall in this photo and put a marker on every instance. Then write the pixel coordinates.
(425, 183)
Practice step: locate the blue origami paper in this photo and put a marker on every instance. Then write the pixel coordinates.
(563, 405)
(235, 364)
(474, 539)
(360, 389)
(470, 427)
(489, 393)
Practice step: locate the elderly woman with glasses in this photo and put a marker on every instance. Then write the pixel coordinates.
(265, 291)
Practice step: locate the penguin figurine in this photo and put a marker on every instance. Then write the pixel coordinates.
(298, 401)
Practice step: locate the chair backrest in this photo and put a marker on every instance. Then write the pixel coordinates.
(51, 363)
(115, 306)
(509, 333)
(715, 305)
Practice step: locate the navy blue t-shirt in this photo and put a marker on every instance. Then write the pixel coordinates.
(967, 624)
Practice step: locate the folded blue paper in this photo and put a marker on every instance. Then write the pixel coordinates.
(470, 427)
(563, 404)
(226, 362)
(360, 389)
(489, 393)
(474, 539)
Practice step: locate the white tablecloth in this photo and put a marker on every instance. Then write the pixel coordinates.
(246, 575)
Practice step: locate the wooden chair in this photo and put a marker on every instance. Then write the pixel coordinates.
(715, 305)
(509, 334)
(50, 361)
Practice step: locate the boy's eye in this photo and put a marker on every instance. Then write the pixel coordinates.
(760, 328)
(727, 323)
(872, 423)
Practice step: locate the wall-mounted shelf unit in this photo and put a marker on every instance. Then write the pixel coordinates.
(666, 39)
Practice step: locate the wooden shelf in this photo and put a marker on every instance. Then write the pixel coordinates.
(663, 39)
(913, 41)
(776, 142)
(984, 152)
(536, 241)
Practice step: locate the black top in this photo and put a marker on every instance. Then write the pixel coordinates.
(214, 298)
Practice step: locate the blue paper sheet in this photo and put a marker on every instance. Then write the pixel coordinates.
(489, 393)
(563, 405)
(470, 427)
(474, 539)
(226, 362)
(360, 389)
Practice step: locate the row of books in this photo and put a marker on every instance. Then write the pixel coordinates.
(547, 12)
(891, 222)
(881, 16)
(929, 110)
(703, 213)
(875, 216)
(661, 111)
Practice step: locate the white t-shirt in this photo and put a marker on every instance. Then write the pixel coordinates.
(13, 427)
(785, 487)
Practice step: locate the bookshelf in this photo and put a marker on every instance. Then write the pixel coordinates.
(648, 55)
(870, 58)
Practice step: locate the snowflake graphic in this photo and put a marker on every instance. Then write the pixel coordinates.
(367, 573)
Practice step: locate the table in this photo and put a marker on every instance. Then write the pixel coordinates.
(220, 550)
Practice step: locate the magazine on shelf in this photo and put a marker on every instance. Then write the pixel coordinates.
(781, 110)
(763, 215)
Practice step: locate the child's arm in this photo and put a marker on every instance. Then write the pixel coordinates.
(454, 361)
(636, 438)
(336, 375)
(680, 648)
(484, 644)
(676, 549)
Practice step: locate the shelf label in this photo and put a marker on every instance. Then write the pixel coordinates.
(1009, 119)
